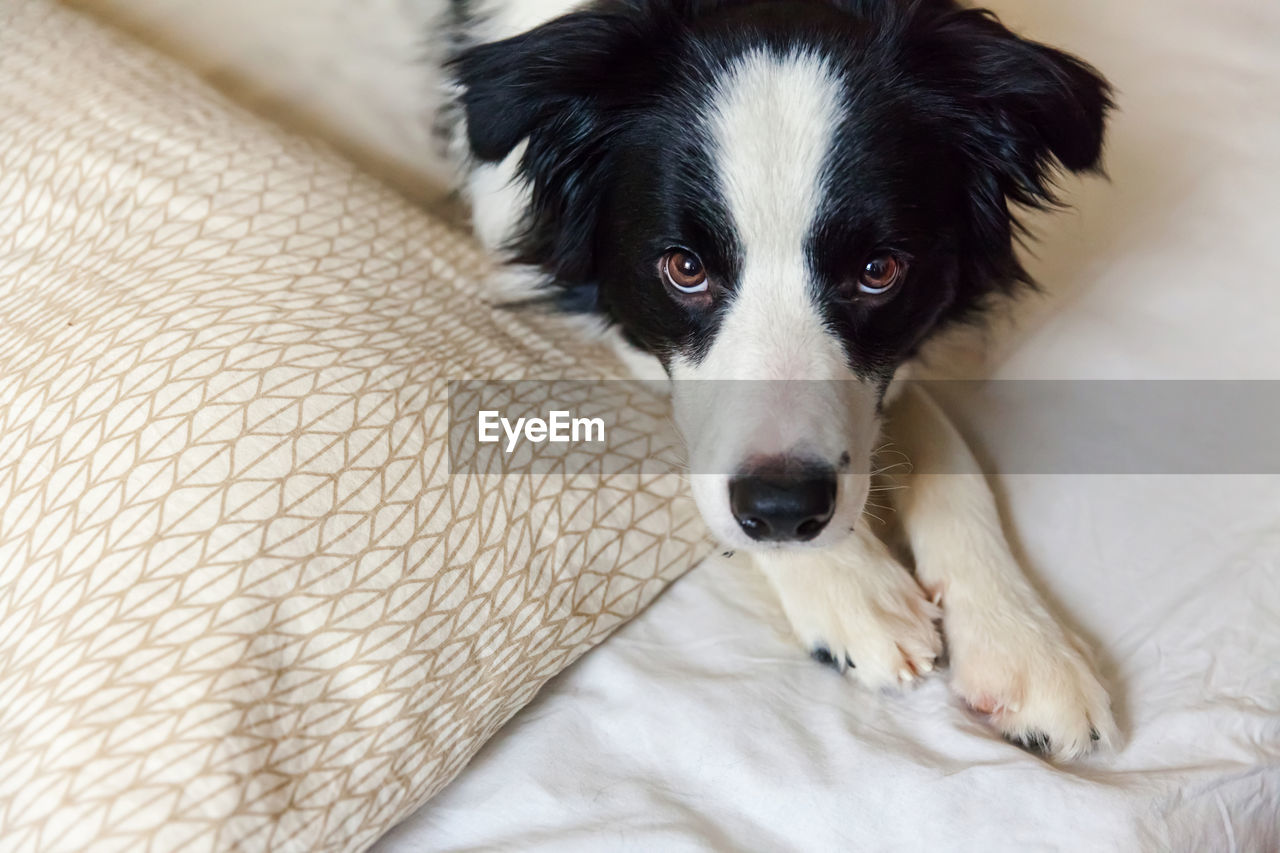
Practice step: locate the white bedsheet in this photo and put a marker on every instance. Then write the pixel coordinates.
(702, 726)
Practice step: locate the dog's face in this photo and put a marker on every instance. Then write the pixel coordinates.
(784, 196)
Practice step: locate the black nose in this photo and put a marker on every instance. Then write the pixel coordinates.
(784, 502)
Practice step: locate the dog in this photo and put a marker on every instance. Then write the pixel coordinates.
(777, 203)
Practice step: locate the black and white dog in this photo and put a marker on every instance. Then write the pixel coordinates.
(801, 193)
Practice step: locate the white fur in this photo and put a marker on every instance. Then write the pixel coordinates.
(856, 602)
(1010, 659)
(498, 198)
(772, 124)
(501, 19)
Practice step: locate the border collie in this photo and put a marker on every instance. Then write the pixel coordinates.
(801, 193)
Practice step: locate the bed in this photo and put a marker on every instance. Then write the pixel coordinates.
(702, 726)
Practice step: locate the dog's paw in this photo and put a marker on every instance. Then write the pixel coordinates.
(867, 619)
(1032, 681)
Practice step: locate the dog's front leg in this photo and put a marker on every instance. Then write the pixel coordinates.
(856, 608)
(1010, 659)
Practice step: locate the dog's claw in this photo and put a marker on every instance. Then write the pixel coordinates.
(1037, 742)
(823, 656)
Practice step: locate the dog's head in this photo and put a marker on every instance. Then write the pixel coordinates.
(787, 197)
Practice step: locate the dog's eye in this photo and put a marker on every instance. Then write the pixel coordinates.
(683, 271)
(882, 274)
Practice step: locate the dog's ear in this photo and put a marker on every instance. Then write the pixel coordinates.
(560, 72)
(566, 88)
(1024, 107)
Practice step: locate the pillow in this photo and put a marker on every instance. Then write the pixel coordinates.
(244, 602)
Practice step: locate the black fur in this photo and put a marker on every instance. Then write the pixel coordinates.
(952, 122)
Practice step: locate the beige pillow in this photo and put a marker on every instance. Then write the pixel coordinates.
(242, 601)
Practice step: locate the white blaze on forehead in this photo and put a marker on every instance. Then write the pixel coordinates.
(775, 119)
(773, 122)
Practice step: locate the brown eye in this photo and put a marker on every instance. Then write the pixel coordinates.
(683, 271)
(881, 274)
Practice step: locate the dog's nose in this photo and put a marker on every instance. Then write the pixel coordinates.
(780, 503)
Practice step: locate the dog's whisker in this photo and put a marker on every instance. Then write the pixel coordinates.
(888, 447)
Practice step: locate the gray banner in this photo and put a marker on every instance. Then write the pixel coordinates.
(1017, 427)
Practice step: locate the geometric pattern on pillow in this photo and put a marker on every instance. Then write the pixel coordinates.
(243, 603)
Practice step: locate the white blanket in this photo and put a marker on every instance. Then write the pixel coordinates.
(703, 726)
